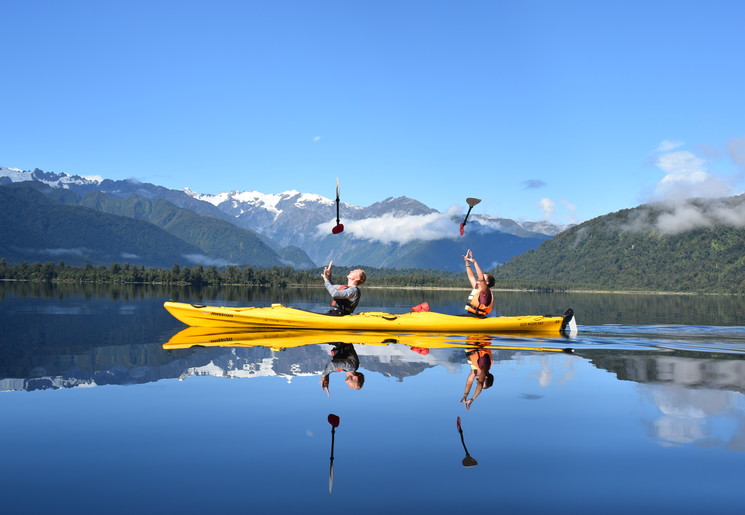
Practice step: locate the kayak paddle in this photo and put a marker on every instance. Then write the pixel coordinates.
(334, 421)
(468, 461)
(339, 227)
(471, 202)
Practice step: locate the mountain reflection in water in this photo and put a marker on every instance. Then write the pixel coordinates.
(654, 411)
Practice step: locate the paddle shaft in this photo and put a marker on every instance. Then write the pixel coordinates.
(467, 213)
(463, 441)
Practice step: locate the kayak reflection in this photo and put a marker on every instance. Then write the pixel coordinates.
(283, 339)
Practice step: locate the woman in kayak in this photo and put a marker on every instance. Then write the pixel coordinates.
(345, 298)
(481, 300)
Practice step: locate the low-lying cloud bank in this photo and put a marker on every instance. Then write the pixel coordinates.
(201, 259)
(676, 217)
(434, 226)
(686, 178)
(398, 229)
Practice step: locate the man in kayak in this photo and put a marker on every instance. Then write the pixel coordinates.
(345, 298)
(344, 360)
(481, 300)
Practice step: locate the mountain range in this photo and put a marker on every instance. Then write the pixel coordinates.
(60, 217)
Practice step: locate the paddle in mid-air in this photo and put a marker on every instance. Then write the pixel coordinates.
(471, 202)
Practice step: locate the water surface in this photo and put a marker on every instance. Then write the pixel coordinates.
(646, 414)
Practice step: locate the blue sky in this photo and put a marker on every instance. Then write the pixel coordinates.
(560, 109)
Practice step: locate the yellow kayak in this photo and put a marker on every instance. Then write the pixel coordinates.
(283, 339)
(278, 316)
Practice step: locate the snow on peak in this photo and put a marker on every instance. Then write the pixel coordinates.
(15, 175)
(312, 198)
(268, 201)
(215, 200)
(56, 180)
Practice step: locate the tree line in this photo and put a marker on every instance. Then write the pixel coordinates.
(200, 275)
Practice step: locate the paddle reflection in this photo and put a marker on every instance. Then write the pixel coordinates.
(468, 461)
(334, 421)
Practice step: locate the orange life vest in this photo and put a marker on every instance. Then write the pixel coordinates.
(474, 305)
(475, 354)
(346, 306)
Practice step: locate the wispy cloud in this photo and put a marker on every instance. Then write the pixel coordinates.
(316, 139)
(548, 207)
(533, 184)
(736, 151)
(62, 252)
(668, 145)
(572, 209)
(201, 259)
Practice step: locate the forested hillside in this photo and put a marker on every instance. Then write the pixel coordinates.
(40, 223)
(695, 247)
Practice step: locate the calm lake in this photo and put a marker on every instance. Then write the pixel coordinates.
(100, 414)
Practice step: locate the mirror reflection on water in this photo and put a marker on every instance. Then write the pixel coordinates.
(110, 403)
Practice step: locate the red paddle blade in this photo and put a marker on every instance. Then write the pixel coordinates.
(457, 421)
(462, 228)
(339, 228)
(333, 420)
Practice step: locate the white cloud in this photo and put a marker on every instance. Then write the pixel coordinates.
(548, 207)
(668, 145)
(686, 176)
(681, 216)
(398, 229)
(316, 139)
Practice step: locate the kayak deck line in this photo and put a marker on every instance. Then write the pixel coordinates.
(278, 316)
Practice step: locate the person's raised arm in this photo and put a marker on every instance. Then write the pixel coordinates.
(326, 274)
(480, 281)
(468, 258)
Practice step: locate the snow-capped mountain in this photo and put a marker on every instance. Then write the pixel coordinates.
(56, 180)
(396, 232)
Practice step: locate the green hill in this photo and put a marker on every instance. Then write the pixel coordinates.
(40, 223)
(219, 239)
(698, 246)
(36, 228)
